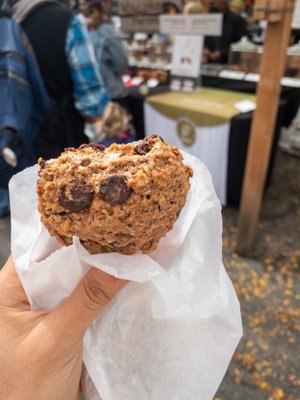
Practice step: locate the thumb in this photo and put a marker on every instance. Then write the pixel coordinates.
(76, 313)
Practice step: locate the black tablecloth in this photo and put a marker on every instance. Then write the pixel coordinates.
(237, 152)
(290, 95)
(239, 131)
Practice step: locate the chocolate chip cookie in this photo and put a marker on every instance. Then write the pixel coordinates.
(123, 198)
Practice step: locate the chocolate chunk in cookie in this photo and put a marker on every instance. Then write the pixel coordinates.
(81, 197)
(115, 189)
(142, 148)
(146, 145)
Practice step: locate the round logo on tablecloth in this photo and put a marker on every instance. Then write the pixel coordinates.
(186, 131)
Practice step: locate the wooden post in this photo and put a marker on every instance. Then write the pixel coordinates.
(263, 124)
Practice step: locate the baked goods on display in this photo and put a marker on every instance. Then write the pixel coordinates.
(123, 198)
(146, 74)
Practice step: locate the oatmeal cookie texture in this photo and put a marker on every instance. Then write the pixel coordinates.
(123, 198)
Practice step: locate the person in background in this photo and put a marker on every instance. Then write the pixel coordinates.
(110, 53)
(193, 7)
(115, 126)
(237, 6)
(41, 350)
(216, 48)
(4, 203)
(169, 7)
(205, 4)
(67, 62)
(23, 102)
(111, 58)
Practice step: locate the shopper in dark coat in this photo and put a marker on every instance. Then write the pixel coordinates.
(68, 65)
(216, 48)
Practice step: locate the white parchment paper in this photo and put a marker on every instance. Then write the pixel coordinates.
(171, 332)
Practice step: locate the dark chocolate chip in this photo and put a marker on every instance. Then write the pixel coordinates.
(146, 145)
(142, 148)
(178, 213)
(81, 197)
(95, 146)
(115, 189)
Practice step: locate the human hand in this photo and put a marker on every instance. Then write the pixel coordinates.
(41, 351)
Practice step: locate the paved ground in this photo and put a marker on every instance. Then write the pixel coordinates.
(265, 366)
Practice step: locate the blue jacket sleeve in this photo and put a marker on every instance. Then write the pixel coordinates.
(90, 95)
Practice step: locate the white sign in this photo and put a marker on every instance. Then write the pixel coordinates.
(186, 56)
(140, 23)
(291, 82)
(143, 15)
(296, 17)
(193, 24)
(245, 105)
(252, 77)
(227, 73)
(140, 7)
